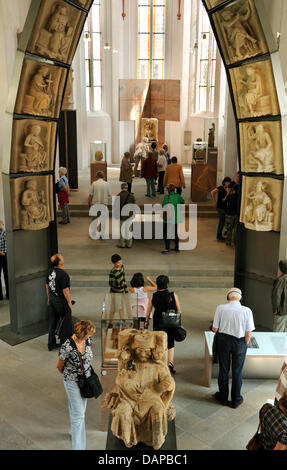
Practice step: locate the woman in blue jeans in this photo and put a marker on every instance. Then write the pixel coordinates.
(75, 357)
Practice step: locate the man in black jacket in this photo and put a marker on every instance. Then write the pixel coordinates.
(59, 301)
(279, 299)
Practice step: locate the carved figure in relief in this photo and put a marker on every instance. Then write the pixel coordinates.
(263, 154)
(149, 129)
(259, 210)
(56, 37)
(34, 205)
(141, 407)
(252, 100)
(239, 32)
(34, 156)
(39, 98)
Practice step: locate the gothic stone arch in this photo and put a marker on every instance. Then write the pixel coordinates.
(43, 60)
(249, 52)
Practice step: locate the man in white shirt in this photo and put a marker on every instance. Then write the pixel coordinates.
(100, 191)
(234, 324)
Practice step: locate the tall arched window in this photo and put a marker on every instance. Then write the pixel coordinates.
(93, 58)
(151, 38)
(206, 65)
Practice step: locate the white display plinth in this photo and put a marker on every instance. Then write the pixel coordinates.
(263, 362)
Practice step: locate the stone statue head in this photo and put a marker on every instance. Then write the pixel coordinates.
(142, 345)
(31, 184)
(99, 155)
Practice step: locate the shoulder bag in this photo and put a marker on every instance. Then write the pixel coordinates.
(89, 387)
(255, 442)
(171, 318)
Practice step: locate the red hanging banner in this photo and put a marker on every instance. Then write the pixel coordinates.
(123, 13)
(179, 7)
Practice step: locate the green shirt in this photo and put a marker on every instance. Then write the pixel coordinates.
(117, 280)
(174, 199)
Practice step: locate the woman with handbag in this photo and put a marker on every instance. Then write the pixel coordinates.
(162, 301)
(74, 360)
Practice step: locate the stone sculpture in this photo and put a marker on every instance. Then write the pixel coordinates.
(261, 147)
(211, 136)
(149, 129)
(39, 98)
(254, 90)
(141, 405)
(240, 36)
(55, 39)
(34, 155)
(34, 211)
(262, 157)
(99, 156)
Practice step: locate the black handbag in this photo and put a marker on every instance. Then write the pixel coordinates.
(170, 319)
(89, 387)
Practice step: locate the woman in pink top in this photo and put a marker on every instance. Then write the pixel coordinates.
(139, 295)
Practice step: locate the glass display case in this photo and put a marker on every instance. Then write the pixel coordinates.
(119, 311)
(98, 146)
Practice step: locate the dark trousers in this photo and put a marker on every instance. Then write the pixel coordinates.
(59, 309)
(221, 222)
(160, 182)
(230, 350)
(178, 190)
(129, 187)
(3, 265)
(167, 233)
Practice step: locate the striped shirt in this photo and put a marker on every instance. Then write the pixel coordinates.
(117, 280)
(282, 382)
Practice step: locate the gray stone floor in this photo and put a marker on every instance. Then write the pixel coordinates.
(33, 405)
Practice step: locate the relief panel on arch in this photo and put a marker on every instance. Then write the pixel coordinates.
(56, 31)
(32, 202)
(239, 31)
(254, 90)
(41, 89)
(213, 3)
(261, 203)
(33, 146)
(261, 147)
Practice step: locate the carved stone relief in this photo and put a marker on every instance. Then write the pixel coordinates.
(213, 3)
(33, 146)
(41, 89)
(141, 405)
(32, 202)
(254, 90)
(57, 30)
(84, 3)
(239, 31)
(261, 147)
(261, 203)
(149, 129)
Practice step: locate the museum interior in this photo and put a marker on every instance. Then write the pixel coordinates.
(82, 83)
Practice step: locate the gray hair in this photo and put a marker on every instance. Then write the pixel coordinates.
(63, 170)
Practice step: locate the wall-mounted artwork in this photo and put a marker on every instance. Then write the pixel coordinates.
(254, 90)
(261, 147)
(149, 131)
(261, 203)
(240, 33)
(41, 89)
(33, 146)
(32, 202)
(57, 30)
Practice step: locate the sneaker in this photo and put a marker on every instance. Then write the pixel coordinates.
(164, 252)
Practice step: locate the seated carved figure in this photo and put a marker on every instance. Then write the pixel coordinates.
(33, 203)
(39, 97)
(34, 157)
(141, 406)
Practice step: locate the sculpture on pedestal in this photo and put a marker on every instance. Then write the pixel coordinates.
(141, 406)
